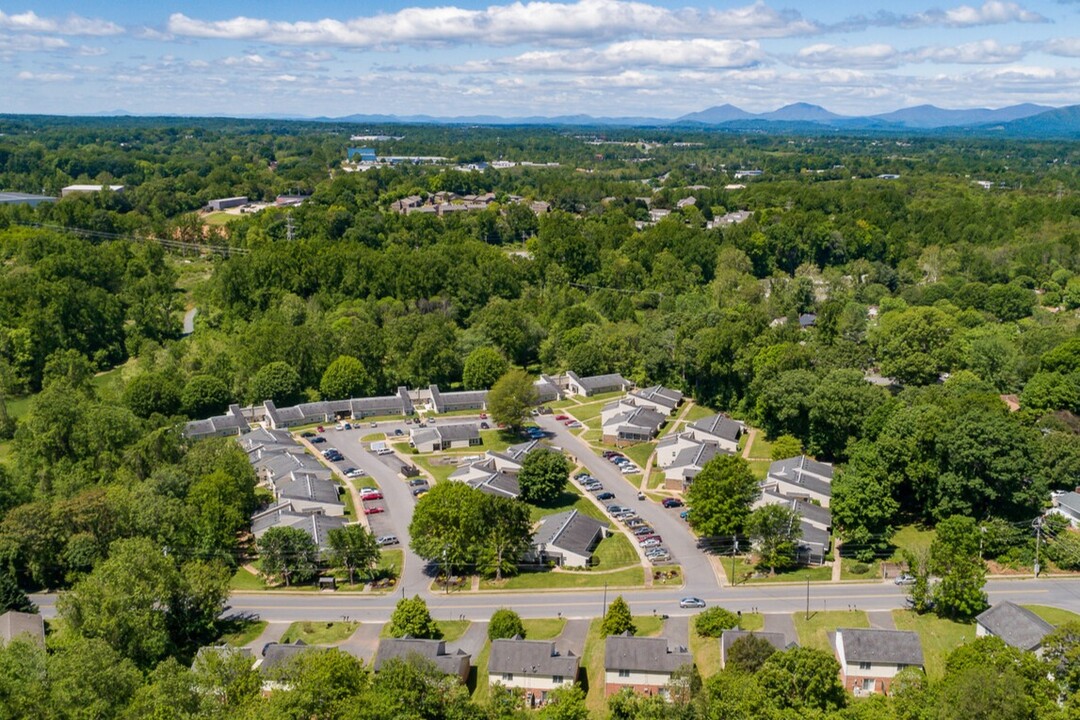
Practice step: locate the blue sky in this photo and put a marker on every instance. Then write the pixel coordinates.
(660, 58)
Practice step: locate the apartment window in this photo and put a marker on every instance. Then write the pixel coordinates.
(901, 666)
(864, 666)
(624, 673)
(868, 685)
(557, 679)
(508, 677)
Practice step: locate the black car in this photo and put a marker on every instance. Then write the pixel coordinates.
(307, 434)
(605, 496)
(317, 439)
(643, 530)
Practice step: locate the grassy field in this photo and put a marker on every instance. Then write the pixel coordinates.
(592, 437)
(615, 551)
(550, 580)
(1054, 616)
(319, 633)
(761, 448)
(814, 632)
(640, 453)
(244, 580)
(589, 412)
(939, 637)
(219, 218)
(698, 412)
(5, 450)
(373, 437)
(452, 629)
(439, 471)
(391, 562)
(846, 574)
(656, 479)
(911, 537)
(706, 651)
(242, 632)
(566, 501)
(760, 468)
(499, 440)
(745, 566)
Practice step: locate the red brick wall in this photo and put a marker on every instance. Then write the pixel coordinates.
(612, 688)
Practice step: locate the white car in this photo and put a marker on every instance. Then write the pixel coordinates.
(354, 473)
(629, 469)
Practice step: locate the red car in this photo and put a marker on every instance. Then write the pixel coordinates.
(374, 510)
(562, 417)
(320, 429)
(371, 496)
(483, 416)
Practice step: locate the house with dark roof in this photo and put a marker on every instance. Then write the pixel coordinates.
(442, 402)
(435, 438)
(1017, 626)
(308, 492)
(719, 430)
(1067, 504)
(547, 389)
(624, 423)
(269, 441)
(870, 659)
(801, 477)
(595, 384)
(231, 423)
(498, 483)
(398, 404)
(815, 522)
(434, 651)
(316, 525)
(271, 466)
(729, 637)
(644, 664)
(567, 539)
(680, 474)
(535, 666)
(27, 626)
(659, 398)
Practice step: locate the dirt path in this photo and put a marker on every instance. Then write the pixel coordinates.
(750, 437)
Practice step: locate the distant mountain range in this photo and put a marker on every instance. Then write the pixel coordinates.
(1020, 121)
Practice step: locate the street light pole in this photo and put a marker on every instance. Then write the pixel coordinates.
(807, 597)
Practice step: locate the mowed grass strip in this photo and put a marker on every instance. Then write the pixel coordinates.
(815, 631)
(939, 637)
(320, 633)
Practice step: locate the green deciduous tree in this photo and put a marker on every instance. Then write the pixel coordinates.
(204, 396)
(483, 368)
(510, 399)
(954, 557)
(151, 393)
(617, 619)
(838, 407)
(543, 476)
(913, 345)
(749, 653)
(505, 623)
(504, 535)
(721, 496)
(445, 524)
(775, 531)
(803, 679)
(346, 377)
(353, 547)
(714, 621)
(786, 446)
(288, 553)
(277, 381)
(411, 617)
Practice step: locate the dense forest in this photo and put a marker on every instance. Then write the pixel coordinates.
(934, 299)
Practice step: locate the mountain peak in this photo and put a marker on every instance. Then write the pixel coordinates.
(717, 114)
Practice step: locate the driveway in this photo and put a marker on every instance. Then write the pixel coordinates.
(573, 636)
(364, 642)
(677, 631)
(700, 578)
(781, 623)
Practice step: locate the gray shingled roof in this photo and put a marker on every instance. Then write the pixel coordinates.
(1017, 626)
(728, 638)
(626, 652)
(1069, 500)
(569, 531)
(660, 395)
(498, 483)
(431, 650)
(424, 437)
(894, 647)
(307, 486)
(720, 426)
(461, 431)
(13, 624)
(600, 382)
(811, 474)
(695, 456)
(808, 510)
(275, 655)
(643, 418)
(531, 658)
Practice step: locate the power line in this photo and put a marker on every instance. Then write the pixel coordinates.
(164, 242)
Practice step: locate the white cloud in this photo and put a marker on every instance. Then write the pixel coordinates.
(31, 22)
(538, 21)
(991, 12)
(631, 54)
(826, 55)
(27, 76)
(1065, 47)
(983, 52)
(31, 43)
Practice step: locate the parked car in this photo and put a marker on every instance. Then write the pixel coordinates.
(320, 429)
(354, 473)
(573, 424)
(432, 420)
(691, 602)
(570, 422)
(640, 496)
(484, 426)
(316, 440)
(388, 540)
(605, 495)
(905, 579)
(371, 496)
(685, 514)
(630, 469)
(650, 542)
(417, 481)
(659, 557)
(399, 432)
(633, 521)
(595, 488)
(420, 491)
(374, 510)
(653, 551)
(672, 502)
(616, 509)
(348, 426)
(654, 536)
(307, 434)
(608, 454)
(483, 416)
(562, 417)
(642, 530)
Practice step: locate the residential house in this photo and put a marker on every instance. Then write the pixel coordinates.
(498, 483)
(535, 666)
(496, 473)
(631, 425)
(308, 492)
(644, 664)
(801, 477)
(273, 466)
(435, 438)
(547, 389)
(316, 525)
(870, 659)
(232, 422)
(719, 430)
(671, 445)
(815, 521)
(269, 441)
(1067, 504)
(595, 384)
(397, 404)
(276, 655)
(454, 401)
(728, 638)
(1017, 626)
(680, 474)
(567, 539)
(434, 651)
(659, 398)
(27, 626)
(807, 320)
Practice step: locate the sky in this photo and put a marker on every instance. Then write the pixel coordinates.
(654, 58)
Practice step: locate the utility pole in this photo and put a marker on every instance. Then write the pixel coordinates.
(807, 597)
(1038, 540)
(605, 602)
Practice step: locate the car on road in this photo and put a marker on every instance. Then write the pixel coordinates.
(685, 514)
(432, 420)
(316, 440)
(691, 602)
(606, 495)
(672, 502)
(374, 510)
(307, 434)
(595, 488)
(374, 424)
(569, 422)
(371, 495)
(573, 424)
(905, 579)
(560, 418)
(354, 473)
(388, 540)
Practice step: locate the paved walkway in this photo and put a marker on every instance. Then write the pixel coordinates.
(781, 623)
(677, 631)
(272, 633)
(881, 620)
(364, 642)
(473, 640)
(573, 636)
(838, 563)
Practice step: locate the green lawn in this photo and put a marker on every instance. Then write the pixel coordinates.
(19, 407)
(939, 637)
(706, 651)
(846, 573)
(5, 450)
(814, 632)
(744, 568)
(373, 437)
(550, 580)
(498, 440)
(438, 470)
(588, 412)
(1054, 616)
(615, 551)
(567, 500)
(319, 633)
(640, 453)
(761, 448)
(452, 629)
(911, 537)
(752, 622)
(241, 632)
(390, 562)
(656, 479)
(219, 218)
(698, 412)
(244, 580)
(760, 468)
(592, 437)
